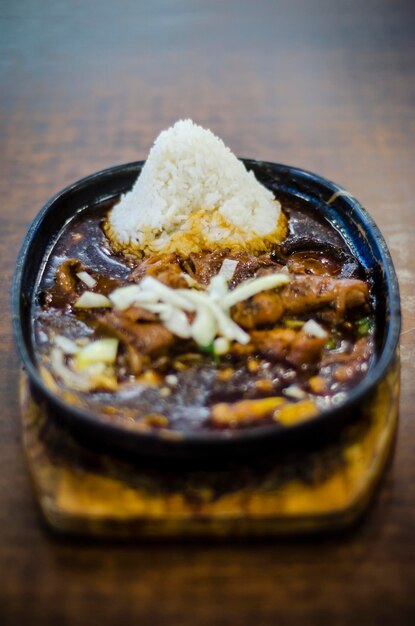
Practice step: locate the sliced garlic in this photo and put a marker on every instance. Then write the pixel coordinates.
(228, 268)
(176, 322)
(87, 279)
(314, 329)
(71, 379)
(66, 345)
(91, 300)
(295, 392)
(204, 327)
(226, 326)
(100, 351)
(218, 288)
(168, 295)
(221, 346)
(124, 297)
(250, 288)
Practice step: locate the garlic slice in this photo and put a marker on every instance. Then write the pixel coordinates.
(226, 326)
(100, 351)
(168, 295)
(176, 322)
(228, 268)
(124, 297)
(218, 287)
(91, 300)
(87, 279)
(314, 329)
(66, 345)
(204, 327)
(248, 289)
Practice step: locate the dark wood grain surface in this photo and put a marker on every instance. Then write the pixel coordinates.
(328, 86)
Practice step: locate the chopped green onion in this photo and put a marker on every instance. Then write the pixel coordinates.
(293, 324)
(210, 349)
(364, 326)
(330, 344)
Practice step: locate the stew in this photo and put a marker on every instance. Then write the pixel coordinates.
(297, 347)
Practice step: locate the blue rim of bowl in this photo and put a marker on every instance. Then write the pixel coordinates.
(354, 397)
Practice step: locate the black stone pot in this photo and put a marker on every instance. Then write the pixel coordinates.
(323, 197)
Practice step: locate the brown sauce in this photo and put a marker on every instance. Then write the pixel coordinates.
(179, 386)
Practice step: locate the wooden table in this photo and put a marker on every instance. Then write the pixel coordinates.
(328, 86)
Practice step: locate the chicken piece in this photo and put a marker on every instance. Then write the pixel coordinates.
(147, 338)
(155, 420)
(305, 350)
(64, 290)
(250, 266)
(68, 286)
(360, 351)
(295, 413)
(244, 412)
(150, 378)
(280, 344)
(65, 279)
(275, 343)
(318, 385)
(351, 365)
(166, 269)
(202, 267)
(302, 295)
(308, 293)
(354, 294)
(136, 313)
(264, 385)
(173, 278)
(262, 309)
(239, 350)
(133, 360)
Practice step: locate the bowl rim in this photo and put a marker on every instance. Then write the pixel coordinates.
(90, 419)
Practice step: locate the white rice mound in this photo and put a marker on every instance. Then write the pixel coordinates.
(194, 194)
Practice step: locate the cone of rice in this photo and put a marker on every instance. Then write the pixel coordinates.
(193, 194)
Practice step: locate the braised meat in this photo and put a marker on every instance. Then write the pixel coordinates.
(263, 309)
(189, 343)
(309, 293)
(165, 268)
(202, 267)
(296, 347)
(147, 338)
(302, 295)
